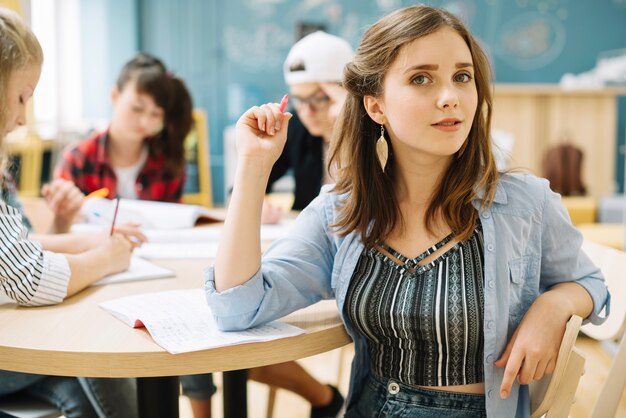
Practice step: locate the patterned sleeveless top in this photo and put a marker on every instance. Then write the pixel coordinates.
(423, 323)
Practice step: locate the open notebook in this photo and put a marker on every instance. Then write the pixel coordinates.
(149, 214)
(181, 321)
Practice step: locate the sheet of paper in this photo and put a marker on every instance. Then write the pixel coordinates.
(213, 233)
(202, 234)
(196, 243)
(173, 250)
(139, 269)
(181, 321)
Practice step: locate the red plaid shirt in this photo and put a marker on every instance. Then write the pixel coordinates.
(87, 165)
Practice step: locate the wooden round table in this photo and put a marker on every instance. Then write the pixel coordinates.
(78, 338)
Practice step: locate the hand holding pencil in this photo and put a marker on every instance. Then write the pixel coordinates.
(261, 133)
(129, 231)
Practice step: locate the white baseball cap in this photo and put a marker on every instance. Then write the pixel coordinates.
(316, 58)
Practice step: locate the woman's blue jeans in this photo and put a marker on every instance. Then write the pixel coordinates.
(389, 398)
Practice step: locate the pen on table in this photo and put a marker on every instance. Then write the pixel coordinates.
(117, 205)
(283, 103)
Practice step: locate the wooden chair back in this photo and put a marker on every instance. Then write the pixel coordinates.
(553, 395)
(612, 262)
(198, 162)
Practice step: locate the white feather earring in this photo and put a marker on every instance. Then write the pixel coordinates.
(382, 149)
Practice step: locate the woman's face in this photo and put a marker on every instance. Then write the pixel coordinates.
(22, 83)
(136, 114)
(430, 97)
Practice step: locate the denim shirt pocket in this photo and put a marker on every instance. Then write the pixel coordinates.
(522, 272)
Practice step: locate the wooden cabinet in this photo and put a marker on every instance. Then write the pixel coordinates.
(541, 116)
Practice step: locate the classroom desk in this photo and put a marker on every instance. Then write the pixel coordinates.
(611, 235)
(78, 338)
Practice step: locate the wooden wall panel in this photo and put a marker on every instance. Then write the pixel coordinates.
(541, 116)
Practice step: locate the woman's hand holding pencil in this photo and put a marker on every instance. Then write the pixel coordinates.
(262, 132)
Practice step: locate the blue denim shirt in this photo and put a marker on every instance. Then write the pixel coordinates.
(530, 245)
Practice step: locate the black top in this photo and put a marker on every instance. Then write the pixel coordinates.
(303, 154)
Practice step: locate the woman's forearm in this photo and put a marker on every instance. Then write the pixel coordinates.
(63, 243)
(86, 268)
(239, 252)
(573, 299)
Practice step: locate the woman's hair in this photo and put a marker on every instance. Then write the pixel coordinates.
(372, 208)
(19, 49)
(150, 76)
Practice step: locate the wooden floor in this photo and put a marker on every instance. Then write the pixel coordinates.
(325, 366)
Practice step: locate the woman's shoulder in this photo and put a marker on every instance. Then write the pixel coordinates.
(523, 188)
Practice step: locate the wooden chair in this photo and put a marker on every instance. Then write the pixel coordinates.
(197, 156)
(553, 395)
(612, 262)
(29, 147)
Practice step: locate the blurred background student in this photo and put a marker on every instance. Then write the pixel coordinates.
(313, 71)
(140, 155)
(33, 276)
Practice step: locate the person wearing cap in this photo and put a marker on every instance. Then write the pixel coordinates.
(313, 71)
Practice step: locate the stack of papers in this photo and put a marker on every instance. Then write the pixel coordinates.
(181, 321)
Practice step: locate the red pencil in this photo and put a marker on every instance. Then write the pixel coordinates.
(283, 103)
(117, 205)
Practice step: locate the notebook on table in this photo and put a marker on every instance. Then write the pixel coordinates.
(149, 214)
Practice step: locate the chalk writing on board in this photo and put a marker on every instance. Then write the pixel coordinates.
(531, 41)
(260, 48)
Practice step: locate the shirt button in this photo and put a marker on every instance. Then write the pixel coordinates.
(490, 358)
(485, 215)
(489, 393)
(490, 247)
(393, 388)
(490, 324)
(491, 284)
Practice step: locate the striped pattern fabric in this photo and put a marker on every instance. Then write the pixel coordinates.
(423, 323)
(29, 275)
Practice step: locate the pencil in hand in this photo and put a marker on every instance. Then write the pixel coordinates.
(117, 205)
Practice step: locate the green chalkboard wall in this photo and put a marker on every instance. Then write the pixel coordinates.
(230, 52)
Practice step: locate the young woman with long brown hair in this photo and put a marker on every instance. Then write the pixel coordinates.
(454, 281)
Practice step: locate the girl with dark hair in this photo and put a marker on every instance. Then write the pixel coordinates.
(140, 155)
(455, 281)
